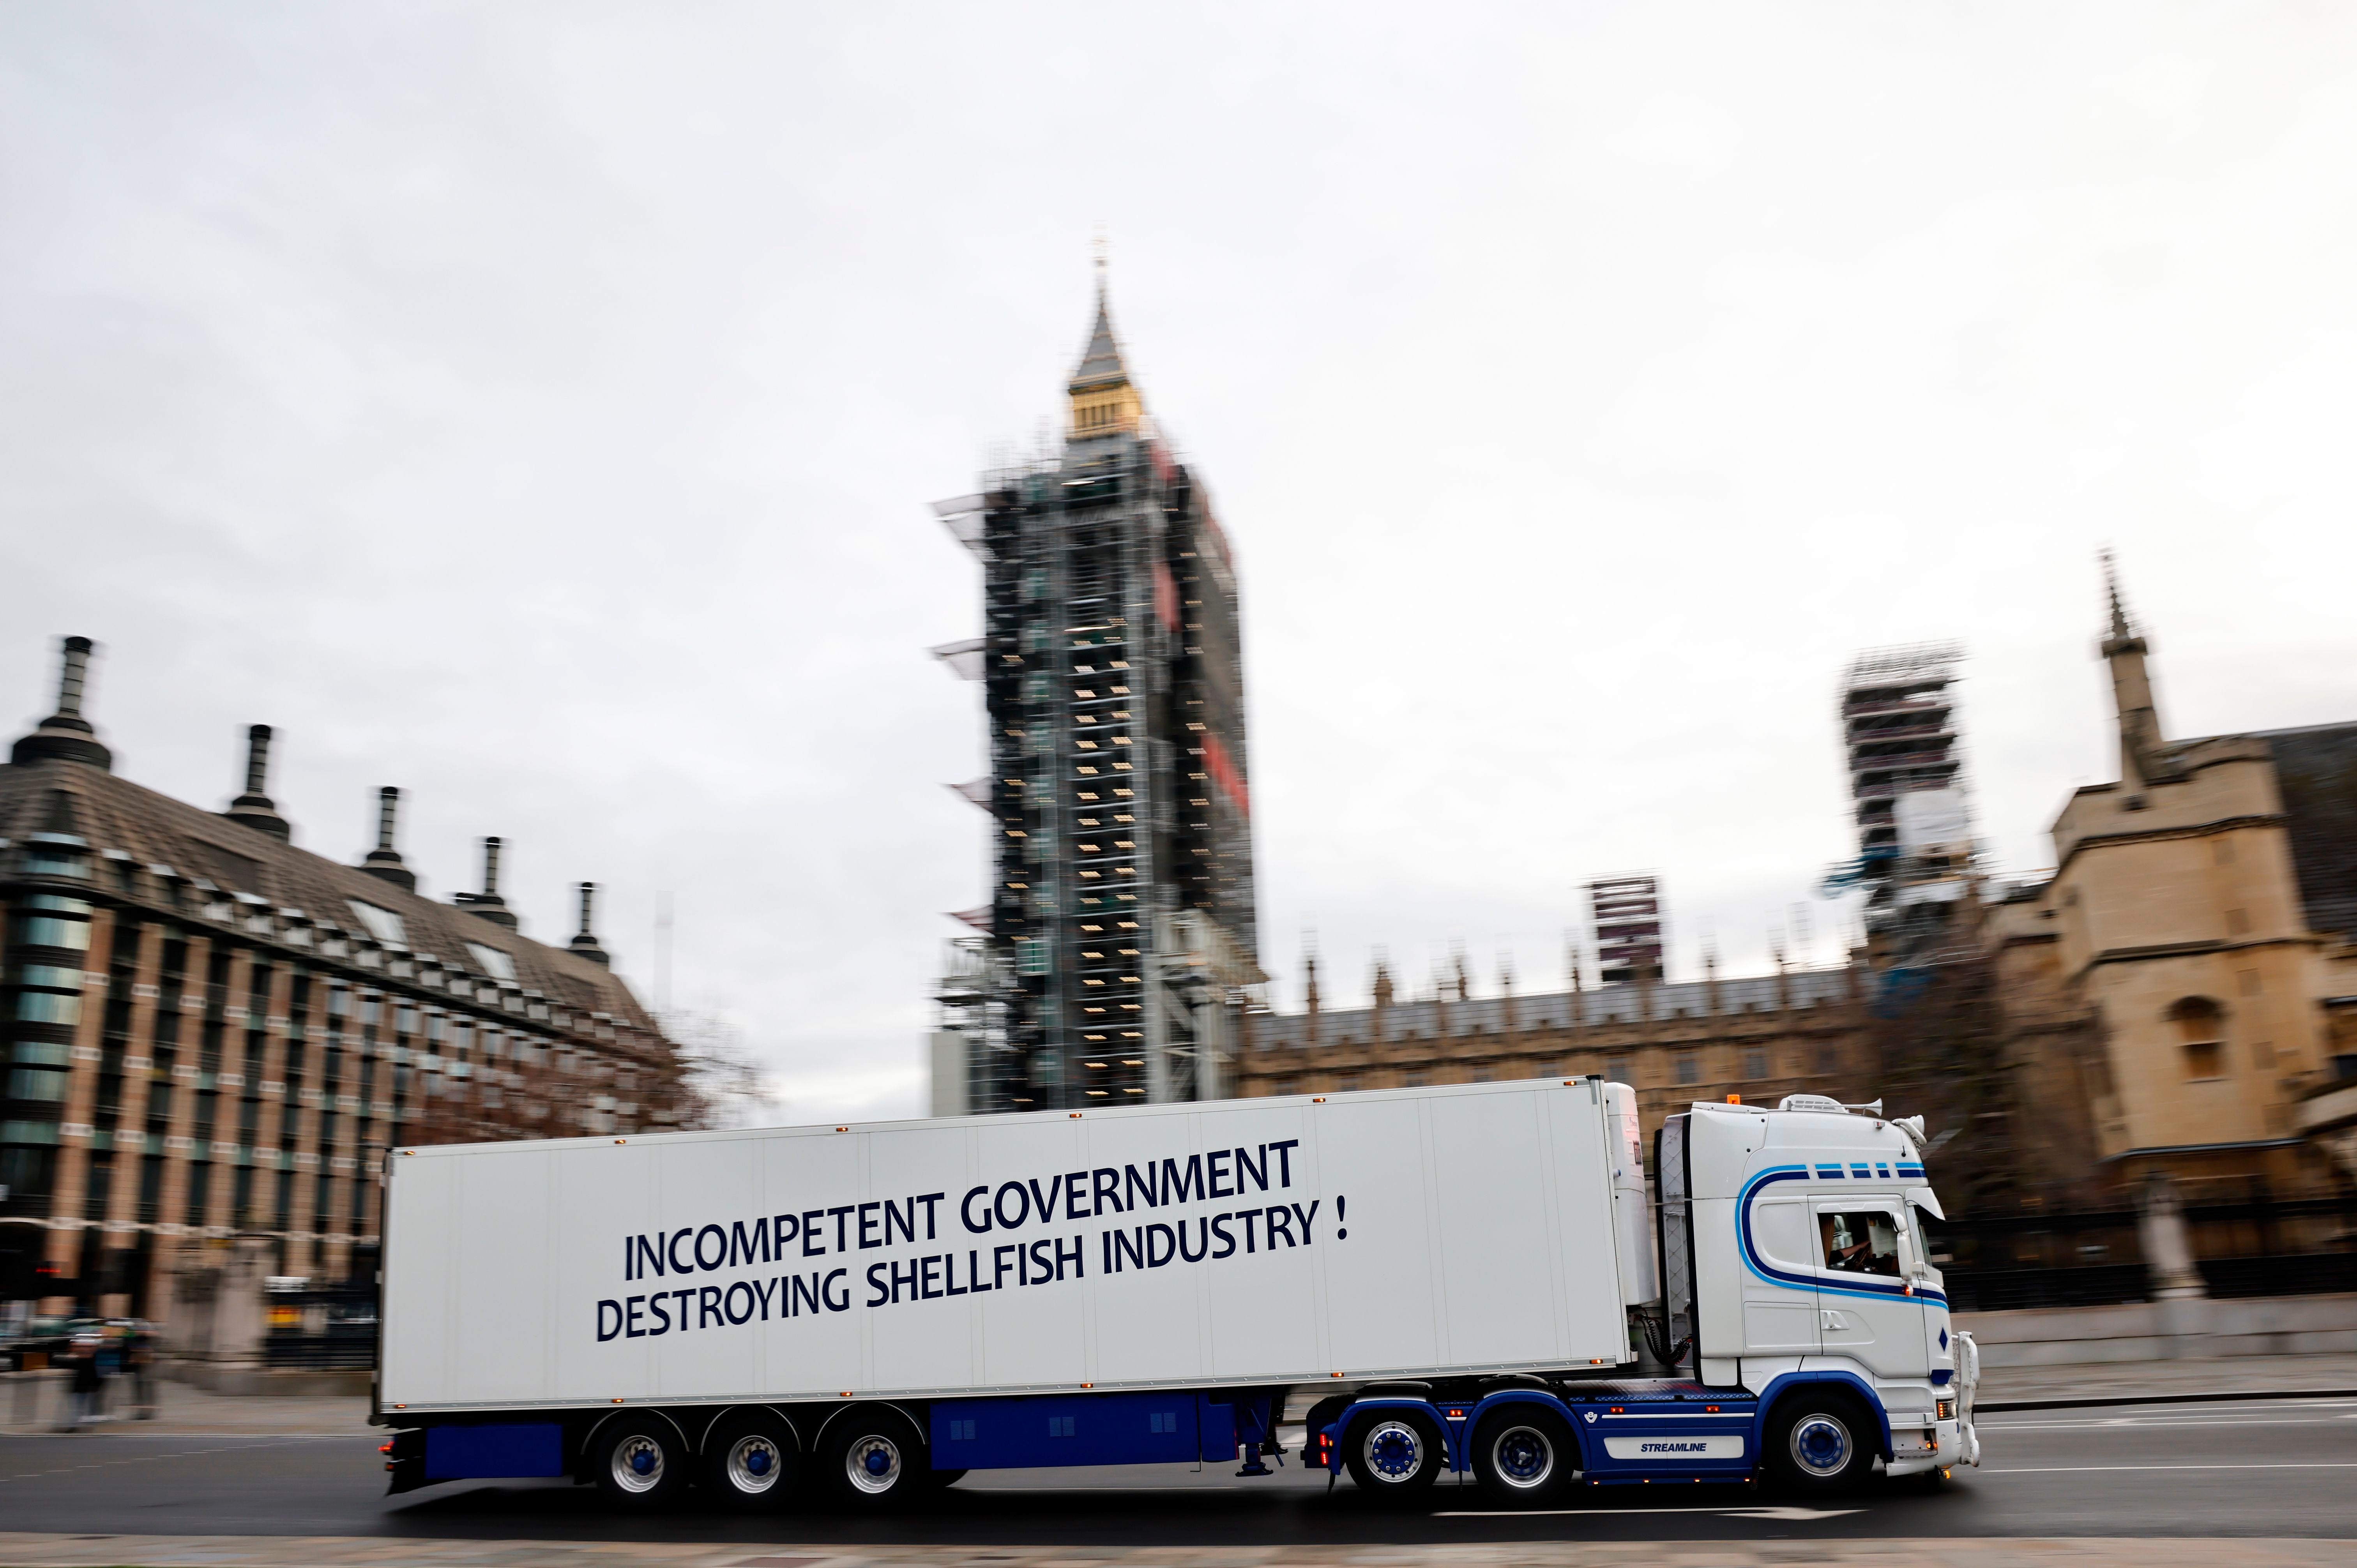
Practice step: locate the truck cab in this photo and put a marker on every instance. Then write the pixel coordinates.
(1793, 1257)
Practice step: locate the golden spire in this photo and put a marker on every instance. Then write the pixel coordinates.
(1104, 400)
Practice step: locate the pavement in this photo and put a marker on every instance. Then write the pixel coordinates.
(2095, 1382)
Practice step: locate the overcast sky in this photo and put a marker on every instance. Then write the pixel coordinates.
(536, 407)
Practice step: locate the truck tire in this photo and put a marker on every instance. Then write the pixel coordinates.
(750, 1460)
(639, 1462)
(1393, 1454)
(1819, 1444)
(1523, 1455)
(870, 1459)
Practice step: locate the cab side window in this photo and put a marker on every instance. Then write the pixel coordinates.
(1861, 1242)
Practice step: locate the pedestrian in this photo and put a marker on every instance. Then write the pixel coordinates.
(110, 1367)
(141, 1360)
(82, 1382)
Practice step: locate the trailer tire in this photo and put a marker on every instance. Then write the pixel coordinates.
(1394, 1454)
(1523, 1455)
(750, 1461)
(1819, 1444)
(871, 1459)
(640, 1463)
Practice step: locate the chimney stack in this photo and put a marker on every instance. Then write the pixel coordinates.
(65, 736)
(488, 904)
(584, 941)
(384, 859)
(253, 808)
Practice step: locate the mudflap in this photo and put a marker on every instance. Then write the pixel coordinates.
(405, 1460)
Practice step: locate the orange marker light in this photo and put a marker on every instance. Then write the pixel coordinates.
(1734, 1100)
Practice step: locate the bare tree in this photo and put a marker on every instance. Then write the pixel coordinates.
(720, 1083)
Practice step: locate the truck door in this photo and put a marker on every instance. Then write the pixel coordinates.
(1780, 1318)
(1864, 1309)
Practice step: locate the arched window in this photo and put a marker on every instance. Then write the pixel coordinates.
(2202, 1030)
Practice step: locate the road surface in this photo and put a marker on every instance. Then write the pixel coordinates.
(2280, 1468)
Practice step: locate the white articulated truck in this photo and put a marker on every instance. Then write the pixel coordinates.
(1461, 1274)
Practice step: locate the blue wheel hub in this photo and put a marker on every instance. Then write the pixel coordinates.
(1820, 1444)
(1522, 1455)
(757, 1461)
(643, 1462)
(1395, 1451)
(878, 1462)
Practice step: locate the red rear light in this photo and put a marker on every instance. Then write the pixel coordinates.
(384, 1447)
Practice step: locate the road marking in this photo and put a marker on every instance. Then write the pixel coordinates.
(2080, 1469)
(2163, 1424)
(1784, 1511)
(137, 1459)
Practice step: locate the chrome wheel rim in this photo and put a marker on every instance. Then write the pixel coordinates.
(1394, 1451)
(872, 1464)
(1522, 1458)
(637, 1464)
(1820, 1445)
(754, 1463)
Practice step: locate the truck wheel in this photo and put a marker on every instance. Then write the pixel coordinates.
(1394, 1453)
(641, 1464)
(1819, 1443)
(1522, 1454)
(872, 1460)
(750, 1461)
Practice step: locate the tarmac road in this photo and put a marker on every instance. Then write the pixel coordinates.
(2277, 1468)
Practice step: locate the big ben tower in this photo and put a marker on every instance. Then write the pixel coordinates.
(1119, 936)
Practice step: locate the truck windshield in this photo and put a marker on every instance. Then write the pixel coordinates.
(1863, 1241)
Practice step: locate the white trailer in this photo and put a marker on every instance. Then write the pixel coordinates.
(878, 1308)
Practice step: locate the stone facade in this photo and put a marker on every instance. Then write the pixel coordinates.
(1761, 1037)
(2177, 981)
(214, 1037)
